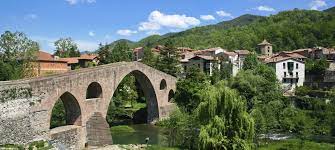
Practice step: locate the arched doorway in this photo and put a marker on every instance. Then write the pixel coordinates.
(94, 90)
(66, 111)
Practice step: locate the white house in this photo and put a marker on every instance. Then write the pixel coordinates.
(290, 71)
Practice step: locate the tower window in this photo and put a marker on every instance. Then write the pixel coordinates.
(284, 65)
(296, 66)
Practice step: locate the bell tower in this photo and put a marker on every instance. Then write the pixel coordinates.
(266, 48)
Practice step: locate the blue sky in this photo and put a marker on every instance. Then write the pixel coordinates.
(90, 22)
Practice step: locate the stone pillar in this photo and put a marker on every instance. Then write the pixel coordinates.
(98, 132)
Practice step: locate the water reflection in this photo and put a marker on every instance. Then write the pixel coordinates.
(142, 131)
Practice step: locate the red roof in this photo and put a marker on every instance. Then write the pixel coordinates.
(87, 56)
(71, 60)
(44, 56)
(137, 49)
(74, 60)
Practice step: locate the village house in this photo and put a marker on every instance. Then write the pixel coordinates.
(203, 62)
(84, 61)
(207, 59)
(289, 66)
(138, 53)
(46, 64)
(290, 71)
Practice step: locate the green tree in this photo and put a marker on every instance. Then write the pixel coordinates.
(149, 58)
(58, 115)
(189, 90)
(316, 66)
(225, 122)
(168, 60)
(111, 54)
(250, 62)
(66, 47)
(17, 52)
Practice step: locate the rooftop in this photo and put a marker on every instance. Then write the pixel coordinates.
(265, 42)
(44, 56)
(242, 52)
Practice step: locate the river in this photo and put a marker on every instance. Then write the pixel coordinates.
(142, 131)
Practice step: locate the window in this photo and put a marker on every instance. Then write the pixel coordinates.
(291, 73)
(284, 81)
(296, 66)
(297, 74)
(290, 66)
(284, 74)
(284, 65)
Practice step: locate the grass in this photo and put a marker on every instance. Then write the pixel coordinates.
(157, 147)
(294, 144)
(121, 128)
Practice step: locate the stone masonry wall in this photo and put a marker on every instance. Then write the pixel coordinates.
(16, 116)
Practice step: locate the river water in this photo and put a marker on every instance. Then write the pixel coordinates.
(142, 131)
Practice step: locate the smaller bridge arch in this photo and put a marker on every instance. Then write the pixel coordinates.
(72, 110)
(162, 85)
(94, 90)
(171, 96)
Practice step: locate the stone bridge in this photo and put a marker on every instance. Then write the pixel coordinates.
(26, 105)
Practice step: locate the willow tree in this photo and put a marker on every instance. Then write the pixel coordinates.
(225, 124)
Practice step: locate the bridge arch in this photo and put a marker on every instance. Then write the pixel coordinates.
(94, 90)
(162, 85)
(72, 110)
(149, 93)
(171, 96)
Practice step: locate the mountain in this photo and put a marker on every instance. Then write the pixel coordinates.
(130, 43)
(239, 21)
(199, 32)
(287, 30)
(330, 10)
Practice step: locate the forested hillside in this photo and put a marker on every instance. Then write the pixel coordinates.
(287, 30)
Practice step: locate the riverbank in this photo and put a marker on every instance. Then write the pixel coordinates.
(295, 144)
(135, 147)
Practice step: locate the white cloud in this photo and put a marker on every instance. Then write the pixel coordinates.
(224, 14)
(145, 26)
(207, 17)
(156, 20)
(91, 33)
(73, 2)
(126, 32)
(30, 17)
(264, 8)
(317, 4)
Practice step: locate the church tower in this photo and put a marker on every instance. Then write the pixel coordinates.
(266, 48)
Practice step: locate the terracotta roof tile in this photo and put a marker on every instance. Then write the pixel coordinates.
(44, 56)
